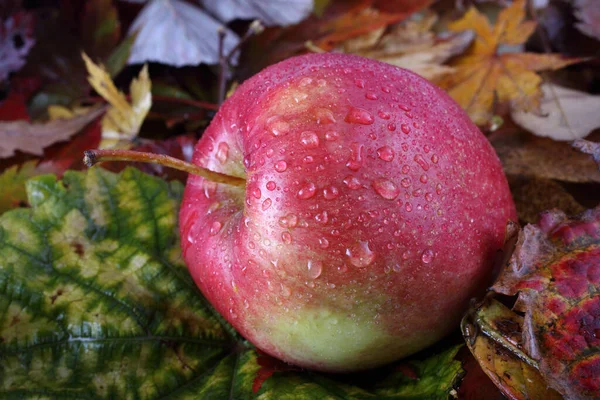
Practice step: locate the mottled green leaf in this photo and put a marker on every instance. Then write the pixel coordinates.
(96, 303)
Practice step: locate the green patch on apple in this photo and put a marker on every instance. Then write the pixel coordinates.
(96, 303)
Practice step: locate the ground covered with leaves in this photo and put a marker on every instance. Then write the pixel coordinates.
(95, 300)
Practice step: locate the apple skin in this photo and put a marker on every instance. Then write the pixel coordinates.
(371, 214)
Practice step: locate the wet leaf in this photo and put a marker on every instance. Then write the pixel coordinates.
(487, 73)
(34, 137)
(565, 114)
(532, 156)
(16, 39)
(412, 45)
(113, 313)
(269, 12)
(123, 120)
(493, 334)
(555, 270)
(177, 33)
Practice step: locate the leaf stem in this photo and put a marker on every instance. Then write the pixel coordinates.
(92, 157)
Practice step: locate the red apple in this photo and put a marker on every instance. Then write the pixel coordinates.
(371, 214)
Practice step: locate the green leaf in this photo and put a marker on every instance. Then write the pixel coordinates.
(96, 303)
(12, 184)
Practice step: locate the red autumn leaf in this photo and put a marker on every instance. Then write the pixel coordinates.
(555, 270)
(268, 366)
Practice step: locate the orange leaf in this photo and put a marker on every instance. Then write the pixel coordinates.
(486, 74)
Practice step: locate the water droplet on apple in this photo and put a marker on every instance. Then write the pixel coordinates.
(215, 228)
(421, 161)
(308, 160)
(307, 191)
(408, 207)
(356, 158)
(360, 255)
(360, 83)
(266, 204)
(352, 182)
(428, 196)
(331, 136)
(434, 159)
(285, 291)
(359, 116)
(386, 153)
(391, 127)
(427, 256)
(323, 243)
(330, 192)
(315, 268)
(286, 237)
(309, 139)
(324, 116)
(397, 268)
(280, 166)
(271, 185)
(256, 192)
(289, 221)
(403, 107)
(222, 152)
(423, 178)
(371, 96)
(277, 126)
(405, 182)
(405, 128)
(322, 217)
(386, 188)
(438, 188)
(383, 114)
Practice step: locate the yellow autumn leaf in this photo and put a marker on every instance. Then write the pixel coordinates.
(485, 74)
(123, 120)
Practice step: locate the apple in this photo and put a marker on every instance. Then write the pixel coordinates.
(371, 212)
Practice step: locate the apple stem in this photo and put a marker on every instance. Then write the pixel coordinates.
(92, 157)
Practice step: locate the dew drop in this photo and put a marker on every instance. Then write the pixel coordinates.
(405, 128)
(359, 116)
(421, 161)
(427, 256)
(405, 169)
(307, 191)
(405, 182)
(308, 160)
(256, 192)
(315, 268)
(323, 243)
(360, 83)
(266, 204)
(403, 107)
(285, 291)
(352, 182)
(342, 268)
(322, 217)
(385, 188)
(391, 127)
(309, 139)
(222, 152)
(331, 136)
(277, 126)
(385, 153)
(356, 157)
(286, 237)
(289, 221)
(324, 116)
(371, 96)
(330, 192)
(408, 207)
(438, 188)
(383, 114)
(271, 185)
(215, 228)
(428, 196)
(423, 178)
(434, 159)
(280, 166)
(360, 255)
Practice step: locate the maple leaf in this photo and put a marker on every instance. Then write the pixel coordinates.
(34, 137)
(412, 45)
(485, 73)
(123, 120)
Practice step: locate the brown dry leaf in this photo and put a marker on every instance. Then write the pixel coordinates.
(533, 196)
(412, 45)
(34, 137)
(486, 74)
(528, 155)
